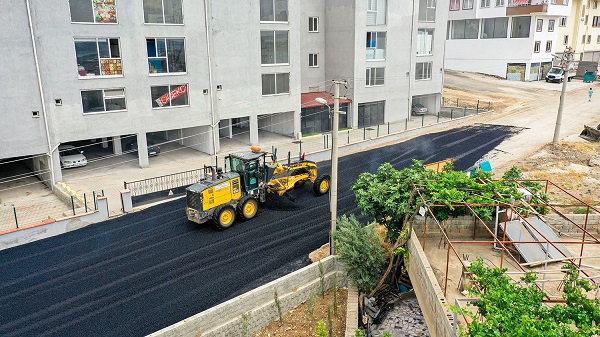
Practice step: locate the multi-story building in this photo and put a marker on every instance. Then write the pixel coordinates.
(196, 71)
(581, 31)
(513, 39)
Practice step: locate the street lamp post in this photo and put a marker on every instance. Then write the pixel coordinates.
(334, 161)
(565, 63)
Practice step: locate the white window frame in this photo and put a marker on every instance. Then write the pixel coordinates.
(485, 4)
(566, 39)
(537, 46)
(426, 73)
(426, 30)
(374, 10)
(104, 98)
(274, 16)
(454, 5)
(275, 48)
(275, 77)
(376, 34)
(551, 24)
(313, 24)
(167, 56)
(171, 88)
(429, 6)
(313, 60)
(562, 22)
(163, 15)
(589, 39)
(539, 25)
(75, 40)
(468, 4)
(499, 3)
(371, 76)
(94, 22)
(549, 46)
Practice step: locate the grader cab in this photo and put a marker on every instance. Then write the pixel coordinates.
(245, 182)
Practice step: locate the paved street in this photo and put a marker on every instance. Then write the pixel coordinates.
(141, 272)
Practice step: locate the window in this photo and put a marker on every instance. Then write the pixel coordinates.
(548, 46)
(313, 24)
(485, 3)
(166, 55)
(467, 4)
(598, 39)
(536, 46)
(499, 3)
(520, 26)
(370, 114)
(93, 11)
(539, 25)
(376, 12)
(595, 4)
(465, 29)
(585, 20)
(596, 21)
(273, 84)
(427, 10)
(551, 25)
(165, 96)
(566, 39)
(274, 47)
(454, 5)
(423, 71)
(425, 42)
(376, 45)
(103, 100)
(312, 60)
(589, 39)
(583, 39)
(274, 10)
(375, 76)
(495, 28)
(98, 57)
(562, 22)
(163, 11)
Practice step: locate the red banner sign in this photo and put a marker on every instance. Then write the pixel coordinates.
(166, 98)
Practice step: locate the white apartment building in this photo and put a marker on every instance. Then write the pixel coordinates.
(195, 71)
(581, 31)
(513, 39)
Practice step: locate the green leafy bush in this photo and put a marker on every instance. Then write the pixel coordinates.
(361, 250)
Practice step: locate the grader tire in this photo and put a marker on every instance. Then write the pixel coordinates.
(321, 185)
(247, 208)
(224, 216)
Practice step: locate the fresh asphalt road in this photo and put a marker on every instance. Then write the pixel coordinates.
(141, 272)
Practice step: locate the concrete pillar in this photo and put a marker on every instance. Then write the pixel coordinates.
(297, 124)
(126, 202)
(117, 146)
(142, 150)
(226, 128)
(253, 129)
(104, 142)
(55, 168)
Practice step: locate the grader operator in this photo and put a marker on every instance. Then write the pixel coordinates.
(248, 177)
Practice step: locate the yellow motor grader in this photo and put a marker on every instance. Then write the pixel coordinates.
(247, 178)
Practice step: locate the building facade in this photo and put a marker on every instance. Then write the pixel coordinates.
(196, 71)
(513, 39)
(581, 31)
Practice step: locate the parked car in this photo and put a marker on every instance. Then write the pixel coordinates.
(153, 147)
(418, 109)
(71, 157)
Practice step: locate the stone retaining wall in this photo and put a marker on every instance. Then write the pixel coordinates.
(464, 224)
(429, 294)
(225, 319)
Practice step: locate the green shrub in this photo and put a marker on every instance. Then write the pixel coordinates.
(361, 251)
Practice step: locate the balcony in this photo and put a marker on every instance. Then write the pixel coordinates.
(525, 7)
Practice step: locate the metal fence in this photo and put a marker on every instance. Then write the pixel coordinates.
(478, 105)
(18, 216)
(162, 183)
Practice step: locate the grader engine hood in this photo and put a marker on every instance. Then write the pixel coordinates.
(209, 193)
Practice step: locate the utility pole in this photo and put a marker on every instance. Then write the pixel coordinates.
(565, 63)
(334, 164)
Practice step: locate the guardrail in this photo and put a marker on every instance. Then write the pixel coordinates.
(163, 183)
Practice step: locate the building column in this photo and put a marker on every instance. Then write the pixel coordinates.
(117, 146)
(297, 124)
(142, 147)
(253, 129)
(56, 167)
(104, 142)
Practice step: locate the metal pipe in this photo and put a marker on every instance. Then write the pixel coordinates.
(213, 122)
(44, 111)
(16, 220)
(73, 204)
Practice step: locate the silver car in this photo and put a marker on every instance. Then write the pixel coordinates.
(418, 109)
(71, 157)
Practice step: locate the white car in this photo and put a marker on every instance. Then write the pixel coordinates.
(71, 157)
